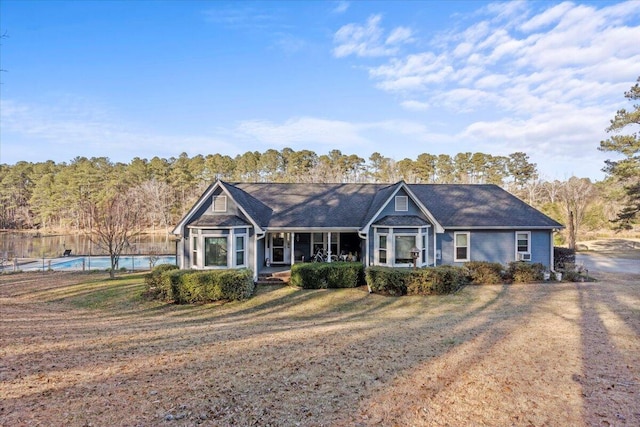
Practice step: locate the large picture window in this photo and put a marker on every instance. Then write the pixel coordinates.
(215, 251)
(403, 246)
(461, 247)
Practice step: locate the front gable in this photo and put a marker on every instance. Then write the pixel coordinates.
(216, 207)
(402, 203)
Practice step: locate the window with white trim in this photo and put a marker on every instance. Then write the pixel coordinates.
(523, 244)
(461, 247)
(240, 251)
(402, 203)
(403, 244)
(215, 251)
(194, 251)
(382, 248)
(219, 203)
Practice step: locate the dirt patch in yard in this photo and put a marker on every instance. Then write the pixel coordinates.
(81, 350)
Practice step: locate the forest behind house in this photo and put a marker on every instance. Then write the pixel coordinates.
(55, 197)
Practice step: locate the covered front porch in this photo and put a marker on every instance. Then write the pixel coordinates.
(290, 247)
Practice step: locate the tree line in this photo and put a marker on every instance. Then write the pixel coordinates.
(53, 195)
(62, 196)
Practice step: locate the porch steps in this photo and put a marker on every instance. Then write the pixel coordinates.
(274, 278)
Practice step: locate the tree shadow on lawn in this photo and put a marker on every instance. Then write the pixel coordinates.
(611, 353)
(259, 367)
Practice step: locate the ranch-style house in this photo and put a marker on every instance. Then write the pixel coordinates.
(258, 225)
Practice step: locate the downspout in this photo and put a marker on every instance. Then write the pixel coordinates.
(435, 261)
(551, 257)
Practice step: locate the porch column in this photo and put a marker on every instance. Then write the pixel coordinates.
(329, 247)
(293, 248)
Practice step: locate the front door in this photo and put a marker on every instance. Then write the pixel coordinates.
(277, 248)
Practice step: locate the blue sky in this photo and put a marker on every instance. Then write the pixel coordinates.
(144, 79)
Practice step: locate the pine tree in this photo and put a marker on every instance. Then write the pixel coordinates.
(626, 170)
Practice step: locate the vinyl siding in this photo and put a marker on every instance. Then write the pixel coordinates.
(496, 246)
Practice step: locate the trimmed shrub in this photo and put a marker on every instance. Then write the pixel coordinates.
(327, 275)
(189, 286)
(440, 280)
(387, 280)
(153, 281)
(485, 273)
(524, 272)
(423, 281)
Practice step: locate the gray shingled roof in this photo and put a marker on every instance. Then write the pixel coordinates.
(218, 221)
(281, 205)
(455, 205)
(402, 221)
(312, 205)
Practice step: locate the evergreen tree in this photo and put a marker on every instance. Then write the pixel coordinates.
(626, 170)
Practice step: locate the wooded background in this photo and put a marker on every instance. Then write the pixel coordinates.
(54, 196)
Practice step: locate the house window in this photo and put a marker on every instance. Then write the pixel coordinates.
(240, 250)
(523, 245)
(382, 249)
(219, 203)
(215, 252)
(461, 246)
(423, 251)
(194, 251)
(403, 246)
(402, 203)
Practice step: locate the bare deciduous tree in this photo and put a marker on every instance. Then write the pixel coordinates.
(114, 221)
(576, 195)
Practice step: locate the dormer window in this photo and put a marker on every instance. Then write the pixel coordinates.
(219, 203)
(402, 203)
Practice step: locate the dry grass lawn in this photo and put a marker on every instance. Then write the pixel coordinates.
(80, 350)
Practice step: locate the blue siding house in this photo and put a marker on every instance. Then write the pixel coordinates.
(258, 225)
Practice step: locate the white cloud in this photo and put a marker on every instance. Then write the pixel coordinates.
(415, 105)
(546, 18)
(399, 35)
(572, 46)
(74, 127)
(302, 131)
(368, 40)
(341, 7)
(543, 77)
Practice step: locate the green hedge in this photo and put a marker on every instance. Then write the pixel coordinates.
(387, 280)
(153, 281)
(441, 280)
(323, 275)
(423, 281)
(189, 286)
(485, 273)
(525, 272)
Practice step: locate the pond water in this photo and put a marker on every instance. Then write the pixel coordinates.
(39, 245)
